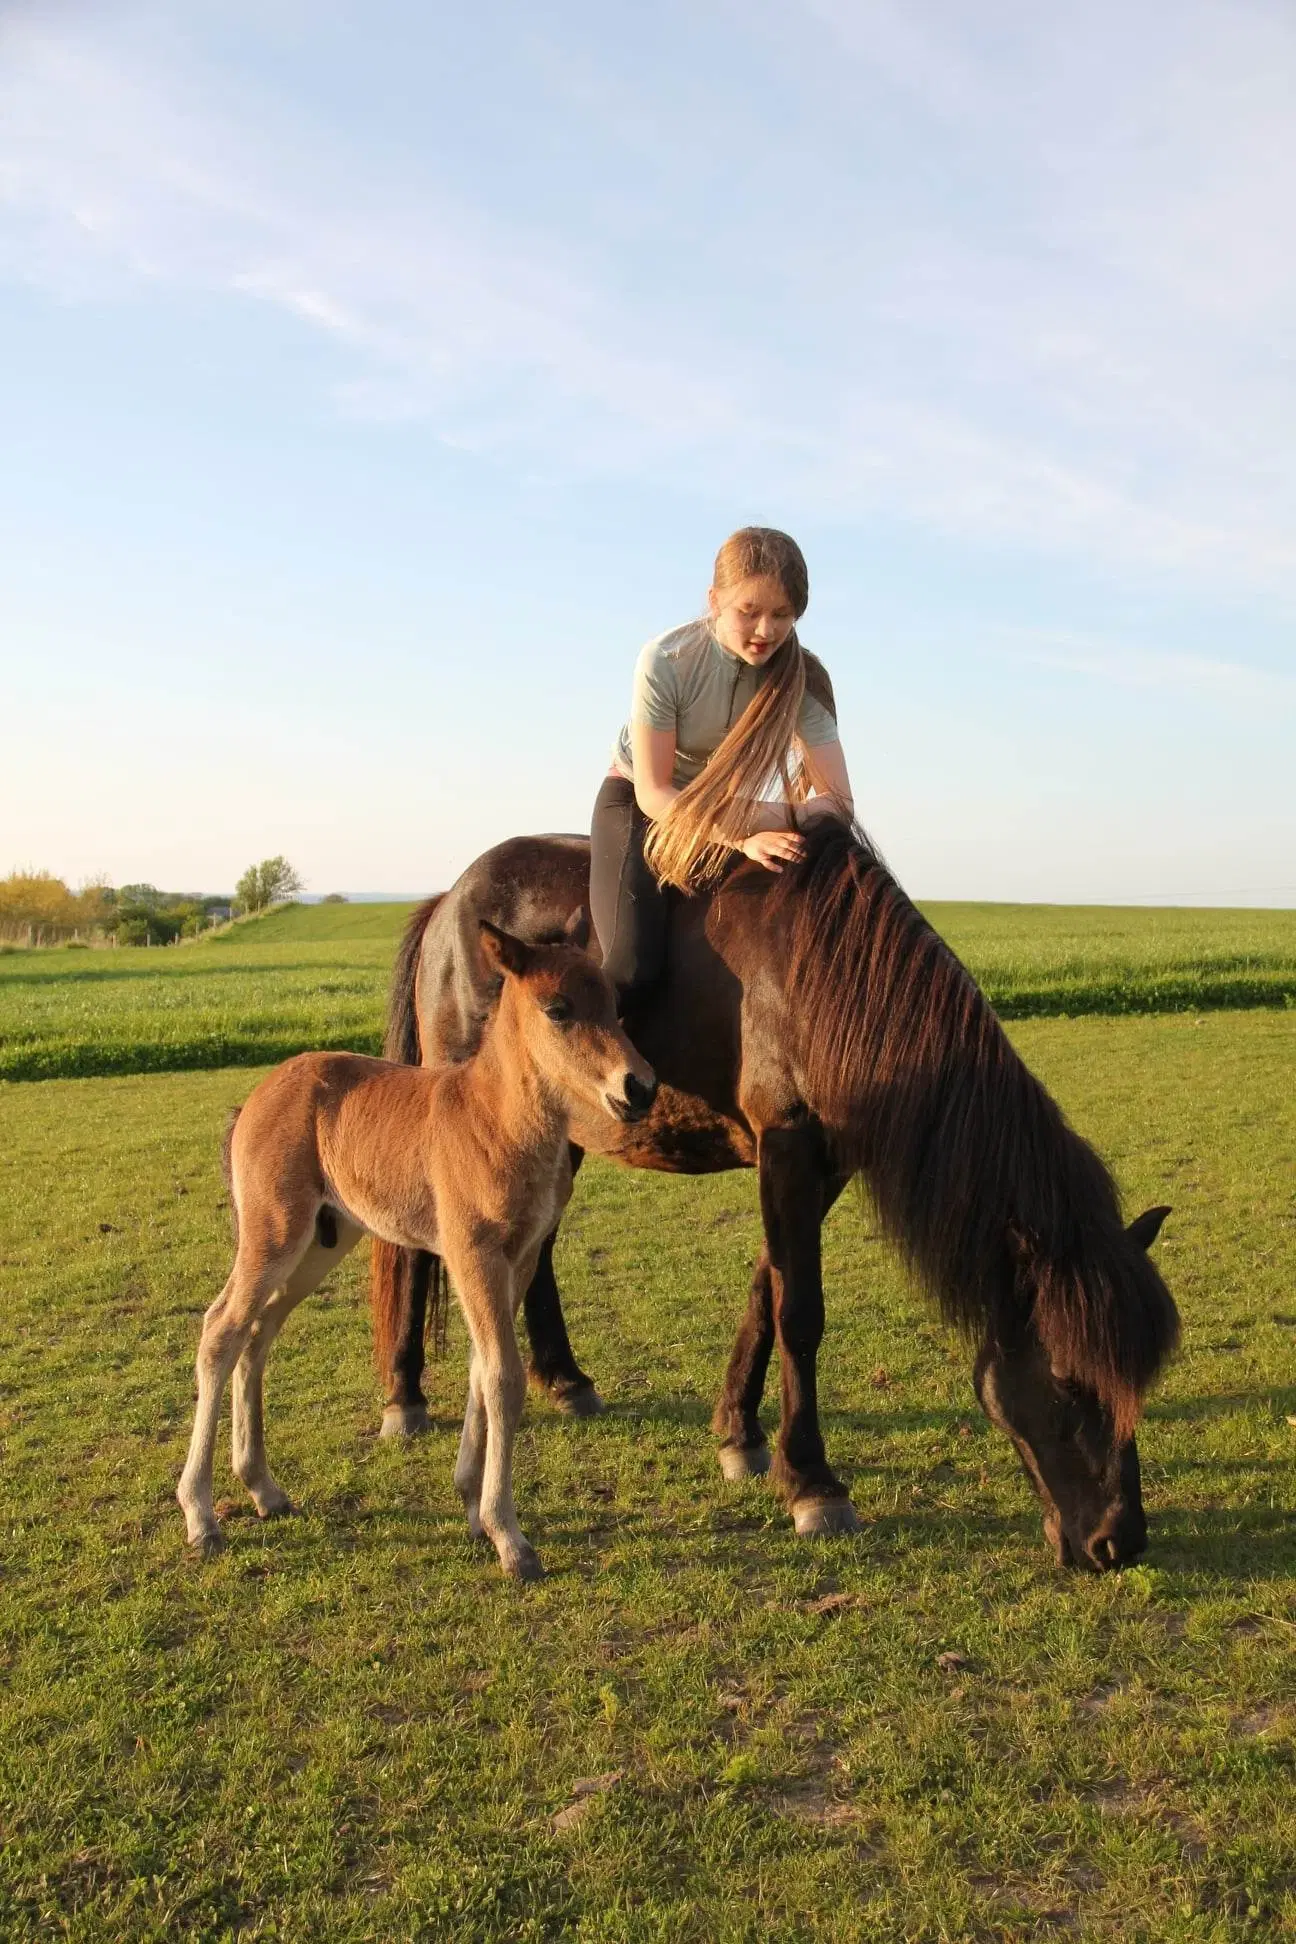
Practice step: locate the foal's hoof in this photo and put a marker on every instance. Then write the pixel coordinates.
(281, 1507)
(582, 1400)
(524, 1565)
(820, 1518)
(744, 1461)
(208, 1545)
(404, 1421)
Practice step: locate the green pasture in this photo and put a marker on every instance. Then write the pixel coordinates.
(317, 976)
(350, 1727)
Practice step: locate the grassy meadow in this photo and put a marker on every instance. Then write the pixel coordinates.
(697, 1727)
(317, 976)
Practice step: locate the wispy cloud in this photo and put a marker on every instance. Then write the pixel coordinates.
(1018, 276)
(1130, 666)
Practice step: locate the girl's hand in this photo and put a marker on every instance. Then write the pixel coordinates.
(774, 848)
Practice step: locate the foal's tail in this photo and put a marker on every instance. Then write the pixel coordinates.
(399, 1277)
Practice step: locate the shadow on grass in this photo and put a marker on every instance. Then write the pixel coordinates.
(695, 1413)
(1191, 1410)
(78, 974)
(1222, 1548)
(954, 1420)
(115, 1061)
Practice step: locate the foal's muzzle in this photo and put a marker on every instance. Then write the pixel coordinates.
(636, 1099)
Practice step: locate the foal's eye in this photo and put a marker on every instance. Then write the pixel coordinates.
(560, 1011)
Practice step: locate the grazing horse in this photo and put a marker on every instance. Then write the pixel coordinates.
(472, 1161)
(813, 1025)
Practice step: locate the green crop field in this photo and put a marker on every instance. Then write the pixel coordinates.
(350, 1727)
(317, 976)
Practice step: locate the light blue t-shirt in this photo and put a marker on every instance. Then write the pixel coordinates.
(685, 681)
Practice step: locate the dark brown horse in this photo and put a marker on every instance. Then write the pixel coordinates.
(814, 1026)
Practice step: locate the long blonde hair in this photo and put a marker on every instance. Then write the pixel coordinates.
(710, 818)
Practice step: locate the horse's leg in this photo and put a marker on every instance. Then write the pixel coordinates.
(792, 1189)
(485, 1288)
(553, 1366)
(743, 1451)
(399, 1285)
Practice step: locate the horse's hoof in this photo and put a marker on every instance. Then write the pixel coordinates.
(524, 1565)
(404, 1421)
(582, 1401)
(819, 1518)
(208, 1545)
(744, 1461)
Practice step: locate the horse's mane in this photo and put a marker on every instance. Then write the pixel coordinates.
(994, 1200)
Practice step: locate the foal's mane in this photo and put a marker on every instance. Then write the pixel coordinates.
(998, 1205)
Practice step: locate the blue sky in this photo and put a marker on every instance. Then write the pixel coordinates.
(374, 380)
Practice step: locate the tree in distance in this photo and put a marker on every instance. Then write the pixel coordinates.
(334, 897)
(272, 881)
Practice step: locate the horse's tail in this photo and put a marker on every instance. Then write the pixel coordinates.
(399, 1277)
(227, 1168)
(401, 1041)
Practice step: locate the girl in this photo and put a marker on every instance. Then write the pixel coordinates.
(721, 709)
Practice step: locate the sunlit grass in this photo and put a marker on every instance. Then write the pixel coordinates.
(317, 976)
(351, 1727)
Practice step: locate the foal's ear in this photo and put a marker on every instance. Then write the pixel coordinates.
(501, 950)
(1145, 1228)
(577, 929)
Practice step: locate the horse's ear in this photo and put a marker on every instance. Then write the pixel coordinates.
(577, 929)
(501, 950)
(1145, 1228)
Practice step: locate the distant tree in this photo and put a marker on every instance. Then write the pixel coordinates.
(96, 905)
(36, 908)
(334, 897)
(270, 882)
(144, 921)
(31, 901)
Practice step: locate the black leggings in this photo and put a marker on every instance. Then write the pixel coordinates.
(627, 902)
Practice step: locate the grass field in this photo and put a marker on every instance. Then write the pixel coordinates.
(317, 976)
(351, 1727)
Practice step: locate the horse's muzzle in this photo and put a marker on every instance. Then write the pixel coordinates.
(1119, 1539)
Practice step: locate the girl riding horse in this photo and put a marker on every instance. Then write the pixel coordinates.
(723, 709)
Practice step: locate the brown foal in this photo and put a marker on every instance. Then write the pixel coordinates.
(468, 1161)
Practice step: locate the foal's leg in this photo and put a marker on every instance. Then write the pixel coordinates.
(792, 1188)
(485, 1285)
(248, 1413)
(227, 1327)
(471, 1462)
(247, 1430)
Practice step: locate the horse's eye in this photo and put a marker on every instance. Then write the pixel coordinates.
(560, 1011)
